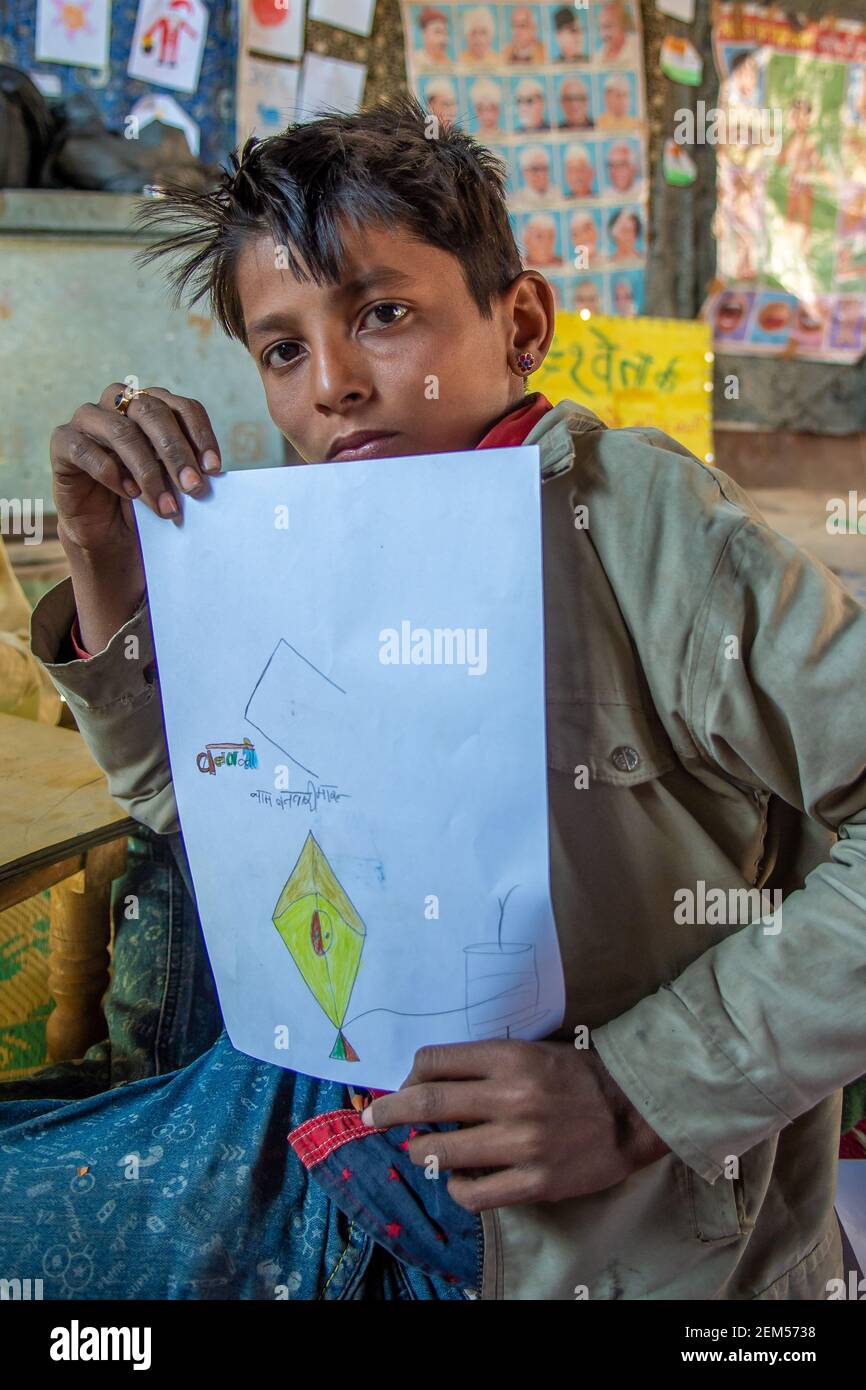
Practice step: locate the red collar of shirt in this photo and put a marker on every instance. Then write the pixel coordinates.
(514, 427)
(505, 434)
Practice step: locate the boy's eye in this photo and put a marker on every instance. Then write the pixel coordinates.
(381, 315)
(281, 354)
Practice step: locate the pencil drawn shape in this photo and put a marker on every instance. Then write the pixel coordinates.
(324, 935)
(502, 989)
(297, 708)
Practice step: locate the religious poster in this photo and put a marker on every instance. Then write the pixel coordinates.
(791, 185)
(168, 43)
(557, 92)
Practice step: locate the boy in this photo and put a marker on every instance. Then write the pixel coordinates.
(705, 741)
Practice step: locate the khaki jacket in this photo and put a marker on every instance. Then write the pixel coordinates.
(709, 677)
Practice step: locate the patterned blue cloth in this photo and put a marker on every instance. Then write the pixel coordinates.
(159, 1167)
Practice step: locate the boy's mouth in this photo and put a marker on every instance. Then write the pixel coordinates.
(363, 444)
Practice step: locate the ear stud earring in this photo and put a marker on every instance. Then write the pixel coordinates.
(525, 361)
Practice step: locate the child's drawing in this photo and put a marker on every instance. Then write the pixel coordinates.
(297, 708)
(325, 936)
(502, 989)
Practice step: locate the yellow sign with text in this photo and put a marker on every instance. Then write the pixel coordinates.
(641, 371)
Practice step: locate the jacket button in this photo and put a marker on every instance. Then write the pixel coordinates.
(624, 758)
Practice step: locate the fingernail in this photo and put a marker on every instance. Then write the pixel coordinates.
(367, 1116)
(130, 488)
(189, 479)
(167, 504)
(210, 461)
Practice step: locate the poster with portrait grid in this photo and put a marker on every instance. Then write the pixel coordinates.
(558, 93)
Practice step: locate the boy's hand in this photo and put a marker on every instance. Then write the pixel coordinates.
(101, 460)
(551, 1119)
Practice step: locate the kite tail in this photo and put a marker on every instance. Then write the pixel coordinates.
(343, 1049)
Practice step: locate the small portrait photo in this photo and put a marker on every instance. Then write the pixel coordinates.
(616, 101)
(583, 236)
(540, 240)
(742, 84)
(586, 295)
(846, 326)
(614, 34)
(529, 105)
(557, 284)
(621, 167)
(487, 107)
(811, 322)
(523, 42)
(574, 104)
(579, 172)
(569, 34)
(625, 293)
(439, 96)
(774, 318)
(731, 314)
(432, 40)
(536, 172)
(625, 236)
(478, 35)
(504, 155)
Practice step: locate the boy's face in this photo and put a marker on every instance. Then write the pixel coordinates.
(396, 359)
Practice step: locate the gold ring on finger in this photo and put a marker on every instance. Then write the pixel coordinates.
(124, 400)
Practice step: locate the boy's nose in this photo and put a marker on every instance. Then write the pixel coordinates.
(340, 378)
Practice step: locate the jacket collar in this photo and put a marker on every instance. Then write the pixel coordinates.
(554, 434)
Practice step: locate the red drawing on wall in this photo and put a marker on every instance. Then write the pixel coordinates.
(166, 32)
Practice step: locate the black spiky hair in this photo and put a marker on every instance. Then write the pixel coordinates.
(391, 165)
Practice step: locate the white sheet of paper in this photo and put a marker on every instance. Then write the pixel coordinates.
(395, 822)
(168, 43)
(267, 96)
(76, 34)
(354, 15)
(677, 9)
(330, 84)
(275, 27)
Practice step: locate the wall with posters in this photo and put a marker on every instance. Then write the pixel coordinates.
(557, 92)
(211, 104)
(772, 392)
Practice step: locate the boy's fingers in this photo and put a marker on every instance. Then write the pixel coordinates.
(486, 1145)
(91, 458)
(197, 426)
(430, 1103)
(126, 441)
(508, 1188)
(168, 439)
(461, 1060)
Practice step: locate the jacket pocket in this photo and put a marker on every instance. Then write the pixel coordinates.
(619, 742)
(716, 1209)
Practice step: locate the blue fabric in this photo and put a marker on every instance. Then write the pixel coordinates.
(159, 1167)
(408, 1212)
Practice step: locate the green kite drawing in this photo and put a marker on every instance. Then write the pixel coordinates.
(325, 936)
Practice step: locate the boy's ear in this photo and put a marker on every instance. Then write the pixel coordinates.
(529, 303)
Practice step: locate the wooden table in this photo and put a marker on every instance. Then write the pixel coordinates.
(60, 829)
